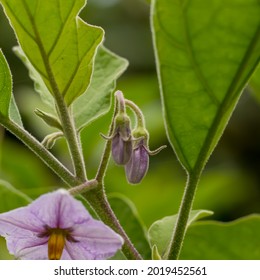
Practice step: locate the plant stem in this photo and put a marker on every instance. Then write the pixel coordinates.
(85, 187)
(98, 200)
(34, 145)
(183, 216)
(137, 111)
(106, 154)
(73, 139)
(120, 101)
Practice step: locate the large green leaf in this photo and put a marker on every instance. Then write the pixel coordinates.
(11, 198)
(130, 221)
(8, 108)
(57, 42)
(96, 100)
(211, 240)
(160, 232)
(205, 54)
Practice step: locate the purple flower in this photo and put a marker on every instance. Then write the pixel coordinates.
(121, 140)
(57, 226)
(137, 166)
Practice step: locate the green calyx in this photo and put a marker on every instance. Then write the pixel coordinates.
(122, 119)
(140, 132)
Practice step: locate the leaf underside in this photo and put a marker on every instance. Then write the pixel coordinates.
(205, 56)
(8, 108)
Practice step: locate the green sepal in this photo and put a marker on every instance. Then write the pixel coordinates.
(48, 119)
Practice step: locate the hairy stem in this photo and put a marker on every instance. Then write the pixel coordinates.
(72, 138)
(137, 111)
(98, 200)
(85, 187)
(120, 101)
(183, 216)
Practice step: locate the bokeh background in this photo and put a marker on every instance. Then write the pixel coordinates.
(230, 185)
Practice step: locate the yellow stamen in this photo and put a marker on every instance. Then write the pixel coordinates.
(56, 243)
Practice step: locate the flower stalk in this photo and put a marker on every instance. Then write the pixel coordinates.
(137, 111)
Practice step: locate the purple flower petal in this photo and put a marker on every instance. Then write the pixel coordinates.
(137, 166)
(27, 229)
(95, 241)
(53, 209)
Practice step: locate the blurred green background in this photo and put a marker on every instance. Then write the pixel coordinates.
(230, 185)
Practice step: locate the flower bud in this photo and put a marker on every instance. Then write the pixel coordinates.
(121, 141)
(138, 164)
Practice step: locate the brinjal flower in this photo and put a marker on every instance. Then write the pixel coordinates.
(121, 139)
(137, 166)
(57, 226)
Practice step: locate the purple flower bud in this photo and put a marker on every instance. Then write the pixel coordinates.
(121, 141)
(137, 166)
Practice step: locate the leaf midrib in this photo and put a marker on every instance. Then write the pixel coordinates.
(229, 97)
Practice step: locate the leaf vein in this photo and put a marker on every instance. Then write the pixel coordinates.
(229, 98)
(194, 62)
(60, 31)
(20, 23)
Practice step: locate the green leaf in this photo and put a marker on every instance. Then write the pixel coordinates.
(11, 197)
(205, 56)
(255, 83)
(96, 100)
(14, 112)
(39, 84)
(211, 240)
(128, 217)
(8, 108)
(58, 44)
(5, 87)
(160, 232)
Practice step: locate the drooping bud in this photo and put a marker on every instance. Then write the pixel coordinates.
(138, 164)
(121, 140)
